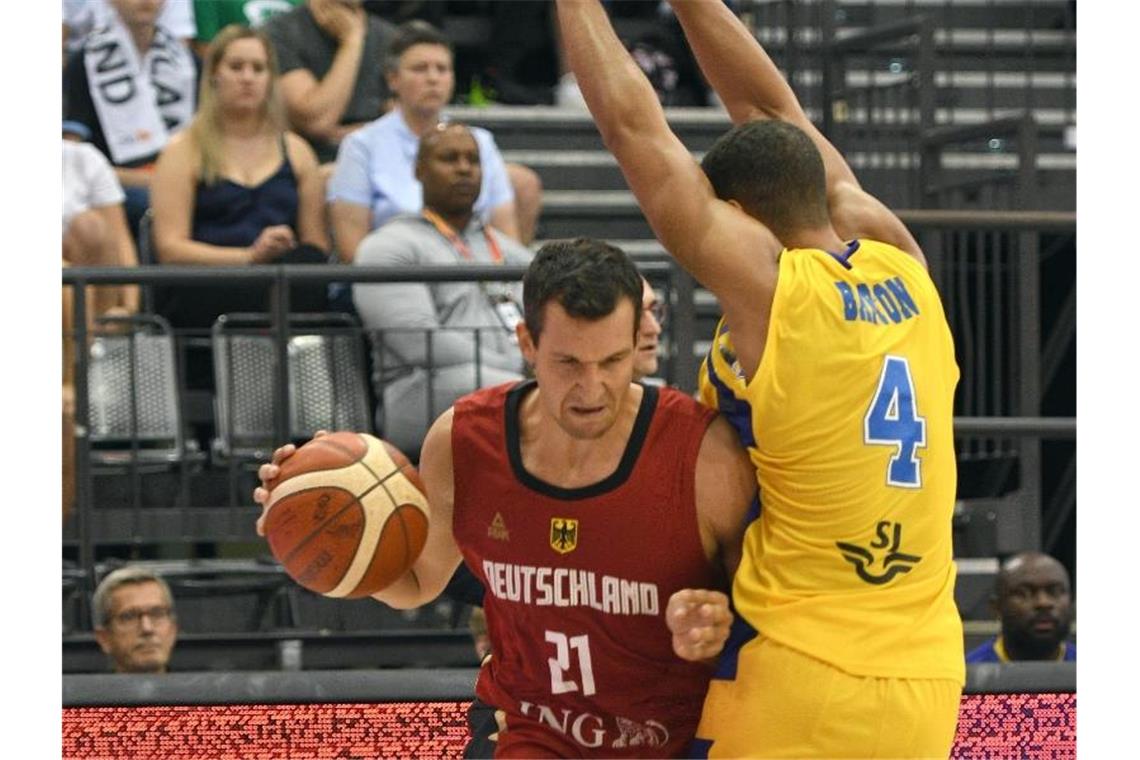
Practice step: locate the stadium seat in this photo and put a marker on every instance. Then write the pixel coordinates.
(135, 415)
(327, 381)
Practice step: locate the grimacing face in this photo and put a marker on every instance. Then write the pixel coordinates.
(141, 629)
(583, 367)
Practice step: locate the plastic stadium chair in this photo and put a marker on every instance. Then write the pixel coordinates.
(134, 408)
(327, 381)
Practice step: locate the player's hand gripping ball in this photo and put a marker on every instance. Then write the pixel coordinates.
(347, 515)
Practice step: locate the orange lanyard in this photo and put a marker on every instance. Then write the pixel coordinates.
(458, 243)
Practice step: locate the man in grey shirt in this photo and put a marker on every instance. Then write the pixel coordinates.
(452, 336)
(330, 54)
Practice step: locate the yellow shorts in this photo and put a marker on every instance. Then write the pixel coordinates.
(783, 703)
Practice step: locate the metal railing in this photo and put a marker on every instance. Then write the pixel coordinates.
(419, 685)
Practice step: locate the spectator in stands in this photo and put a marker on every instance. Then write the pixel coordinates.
(135, 623)
(81, 17)
(95, 231)
(132, 85)
(332, 62)
(1033, 600)
(236, 188)
(404, 320)
(211, 16)
(649, 332)
(374, 177)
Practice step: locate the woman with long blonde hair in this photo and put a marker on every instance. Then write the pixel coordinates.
(235, 187)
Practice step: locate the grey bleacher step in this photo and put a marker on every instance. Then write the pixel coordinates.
(544, 128)
(966, 14)
(587, 170)
(949, 42)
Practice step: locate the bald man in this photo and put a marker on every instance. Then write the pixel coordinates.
(1033, 599)
(424, 334)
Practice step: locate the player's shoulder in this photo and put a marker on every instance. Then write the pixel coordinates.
(672, 402)
(438, 435)
(491, 398)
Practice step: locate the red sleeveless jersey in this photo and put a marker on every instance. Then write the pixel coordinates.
(577, 581)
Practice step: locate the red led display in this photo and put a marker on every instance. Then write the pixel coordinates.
(989, 725)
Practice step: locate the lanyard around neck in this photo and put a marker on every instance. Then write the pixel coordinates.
(458, 243)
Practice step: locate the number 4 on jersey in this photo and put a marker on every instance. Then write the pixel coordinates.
(892, 420)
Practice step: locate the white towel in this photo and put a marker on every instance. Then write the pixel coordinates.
(139, 102)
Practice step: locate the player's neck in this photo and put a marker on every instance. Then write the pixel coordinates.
(823, 238)
(553, 455)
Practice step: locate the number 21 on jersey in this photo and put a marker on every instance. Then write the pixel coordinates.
(892, 419)
(561, 667)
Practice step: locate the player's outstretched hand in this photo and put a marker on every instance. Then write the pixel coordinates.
(699, 620)
(268, 472)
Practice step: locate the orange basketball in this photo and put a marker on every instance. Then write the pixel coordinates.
(347, 515)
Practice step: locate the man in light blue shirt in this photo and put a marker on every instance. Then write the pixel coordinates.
(375, 179)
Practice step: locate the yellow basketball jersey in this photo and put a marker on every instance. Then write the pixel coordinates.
(849, 424)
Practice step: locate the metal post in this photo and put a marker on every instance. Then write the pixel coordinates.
(684, 330)
(831, 72)
(1027, 162)
(83, 486)
(1021, 529)
(791, 46)
(280, 302)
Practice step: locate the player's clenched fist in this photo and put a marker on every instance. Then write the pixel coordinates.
(699, 620)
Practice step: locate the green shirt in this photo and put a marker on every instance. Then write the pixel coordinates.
(212, 16)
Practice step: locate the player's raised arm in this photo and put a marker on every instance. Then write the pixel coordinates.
(735, 65)
(732, 255)
(752, 87)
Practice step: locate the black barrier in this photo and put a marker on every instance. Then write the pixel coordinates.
(270, 687)
(415, 684)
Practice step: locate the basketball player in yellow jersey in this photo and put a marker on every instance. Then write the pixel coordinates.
(835, 364)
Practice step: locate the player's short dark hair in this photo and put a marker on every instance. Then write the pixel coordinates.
(587, 277)
(774, 171)
(414, 32)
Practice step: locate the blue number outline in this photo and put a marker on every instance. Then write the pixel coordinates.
(897, 409)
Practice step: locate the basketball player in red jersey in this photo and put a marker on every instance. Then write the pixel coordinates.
(582, 501)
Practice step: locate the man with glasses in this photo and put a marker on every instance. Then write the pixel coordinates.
(135, 623)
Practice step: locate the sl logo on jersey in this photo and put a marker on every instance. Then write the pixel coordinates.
(563, 534)
(894, 562)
